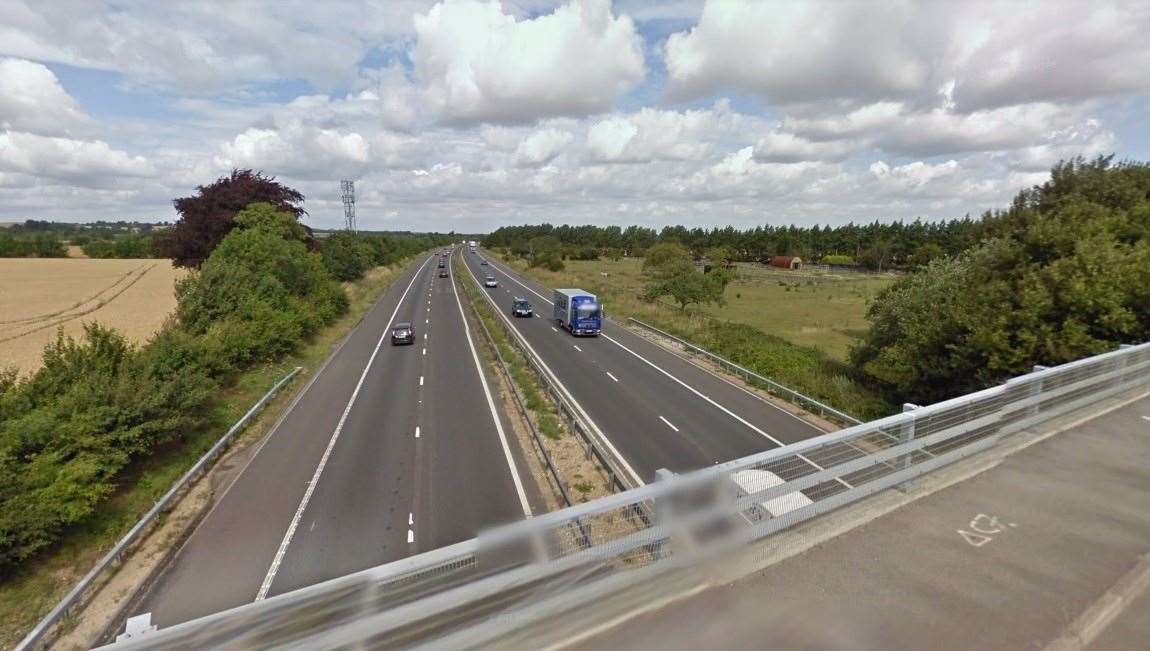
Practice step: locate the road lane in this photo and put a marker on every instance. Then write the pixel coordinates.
(384, 493)
(224, 561)
(714, 419)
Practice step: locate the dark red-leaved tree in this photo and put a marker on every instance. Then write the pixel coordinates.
(206, 217)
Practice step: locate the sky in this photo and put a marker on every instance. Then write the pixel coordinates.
(467, 115)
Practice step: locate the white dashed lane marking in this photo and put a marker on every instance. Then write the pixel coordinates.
(668, 423)
(611, 376)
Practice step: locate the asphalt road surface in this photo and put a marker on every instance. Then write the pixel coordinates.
(655, 408)
(388, 451)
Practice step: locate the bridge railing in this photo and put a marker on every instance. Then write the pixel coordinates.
(497, 582)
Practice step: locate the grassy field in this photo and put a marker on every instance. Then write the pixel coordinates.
(817, 309)
(40, 583)
(40, 295)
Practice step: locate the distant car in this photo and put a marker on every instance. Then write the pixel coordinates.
(443, 273)
(521, 308)
(402, 333)
(490, 281)
(483, 262)
(442, 264)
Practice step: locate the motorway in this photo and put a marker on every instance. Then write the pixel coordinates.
(388, 451)
(657, 409)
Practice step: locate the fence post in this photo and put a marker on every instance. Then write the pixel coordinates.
(663, 514)
(1035, 391)
(906, 435)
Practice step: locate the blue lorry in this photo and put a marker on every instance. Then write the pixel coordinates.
(578, 312)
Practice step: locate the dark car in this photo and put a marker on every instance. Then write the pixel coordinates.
(521, 308)
(402, 333)
(442, 264)
(443, 273)
(483, 261)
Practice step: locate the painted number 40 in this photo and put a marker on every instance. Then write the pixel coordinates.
(983, 529)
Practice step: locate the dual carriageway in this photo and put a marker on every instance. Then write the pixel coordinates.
(389, 451)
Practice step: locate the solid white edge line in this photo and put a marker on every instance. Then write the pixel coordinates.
(555, 378)
(494, 413)
(282, 550)
(668, 423)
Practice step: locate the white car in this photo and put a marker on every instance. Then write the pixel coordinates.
(490, 282)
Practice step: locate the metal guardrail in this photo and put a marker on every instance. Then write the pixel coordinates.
(481, 589)
(614, 464)
(37, 635)
(770, 385)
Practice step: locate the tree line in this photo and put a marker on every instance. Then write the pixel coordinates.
(875, 245)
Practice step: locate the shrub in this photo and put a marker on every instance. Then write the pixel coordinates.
(346, 256)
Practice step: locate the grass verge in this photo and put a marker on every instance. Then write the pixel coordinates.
(572, 464)
(806, 369)
(32, 591)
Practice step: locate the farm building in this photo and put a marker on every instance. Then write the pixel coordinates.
(787, 262)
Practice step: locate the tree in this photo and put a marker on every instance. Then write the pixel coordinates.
(346, 256)
(1066, 275)
(925, 253)
(280, 222)
(671, 272)
(666, 258)
(207, 216)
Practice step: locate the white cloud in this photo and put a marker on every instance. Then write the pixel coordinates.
(993, 54)
(32, 100)
(783, 147)
(792, 52)
(87, 163)
(481, 64)
(205, 47)
(299, 150)
(541, 147)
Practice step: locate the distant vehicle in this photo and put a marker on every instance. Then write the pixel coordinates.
(520, 307)
(442, 264)
(578, 312)
(490, 281)
(443, 273)
(483, 262)
(402, 333)
(749, 482)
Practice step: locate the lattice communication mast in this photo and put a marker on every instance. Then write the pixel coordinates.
(347, 189)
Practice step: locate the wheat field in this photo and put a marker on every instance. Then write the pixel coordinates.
(40, 295)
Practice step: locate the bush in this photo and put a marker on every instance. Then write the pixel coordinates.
(40, 245)
(258, 295)
(68, 430)
(346, 256)
(132, 246)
